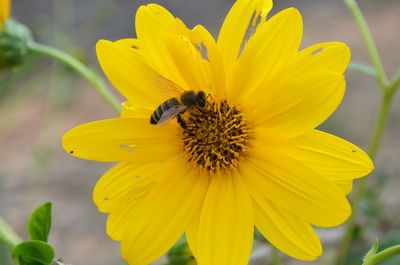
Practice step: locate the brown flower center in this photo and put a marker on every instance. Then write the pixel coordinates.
(215, 137)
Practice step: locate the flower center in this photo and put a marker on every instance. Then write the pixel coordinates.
(215, 137)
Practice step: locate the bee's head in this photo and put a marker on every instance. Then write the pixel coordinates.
(201, 99)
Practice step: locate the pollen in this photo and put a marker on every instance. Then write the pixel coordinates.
(215, 137)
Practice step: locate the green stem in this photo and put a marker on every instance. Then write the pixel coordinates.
(8, 235)
(276, 257)
(81, 69)
(359, 190)
(384, 254)
(395, 82)
(388, 91)
(363, 68)
(369, 41)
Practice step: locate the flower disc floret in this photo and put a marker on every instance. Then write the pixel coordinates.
(216, 137)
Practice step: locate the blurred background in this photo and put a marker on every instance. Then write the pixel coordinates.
(43, 99)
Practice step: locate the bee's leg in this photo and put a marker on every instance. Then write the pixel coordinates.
(181, 122)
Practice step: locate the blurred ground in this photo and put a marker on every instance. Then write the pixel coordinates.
(45, 101)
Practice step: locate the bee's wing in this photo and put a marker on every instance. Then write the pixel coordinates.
(171, 113)
(169, 88)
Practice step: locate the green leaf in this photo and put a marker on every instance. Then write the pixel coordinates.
(33, 252)
(39, 223)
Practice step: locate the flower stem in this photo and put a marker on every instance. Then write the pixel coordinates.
(388, 91)
(363, 68)
(81, 69)
(384, 254)
(359, 190)
(369, 41)
(7, 234)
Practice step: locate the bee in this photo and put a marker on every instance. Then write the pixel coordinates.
(172, 107)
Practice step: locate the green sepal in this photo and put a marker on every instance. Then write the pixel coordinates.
(39, 223)
(371, 252)
(180, 254)
(33, 252)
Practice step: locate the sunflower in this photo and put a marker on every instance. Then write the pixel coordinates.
(249, 157)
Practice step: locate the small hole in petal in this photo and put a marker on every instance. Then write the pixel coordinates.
(127, 147)
(135, 47)
(202, 50)
(106, 198)
(353, 150)
(317, 51)
(71, 152)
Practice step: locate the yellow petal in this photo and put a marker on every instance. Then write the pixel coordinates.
(123, 139)
(226, 224)
(125, 184)
(150, 22)
(295, 187)
(213, 63)
(267, 53)
(330, 155)
(345, 186)
(297, 105)
(331, 56)
(333, 157)
(129, 73)
(5, 7)
(176, 52)
(243, 16)
(129, 43)
(164, 214)
(192, 235)
(287, 232)
(187, 59)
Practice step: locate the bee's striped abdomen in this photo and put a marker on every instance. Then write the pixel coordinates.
(156, 116)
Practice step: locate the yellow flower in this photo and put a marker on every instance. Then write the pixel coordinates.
(250, 157)
(4, 11)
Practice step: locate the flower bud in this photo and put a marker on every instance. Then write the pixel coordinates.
(14, 40)
(180, 254)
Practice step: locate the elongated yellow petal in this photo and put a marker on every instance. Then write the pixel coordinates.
(298, 105)
(291, 185)
(289, 233)
(334, 157)
(188, 61)
(330, 56)
(129, 43)
(213, 64)
(178, 53)
(129, 73)
(322, 57)
(345, 186)
(270, 50)
(192, 235)
(123, 139)
(242, 17)
(163, 215)
(125, 184)
(226, 224)
(151, 22)
(5, 8)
